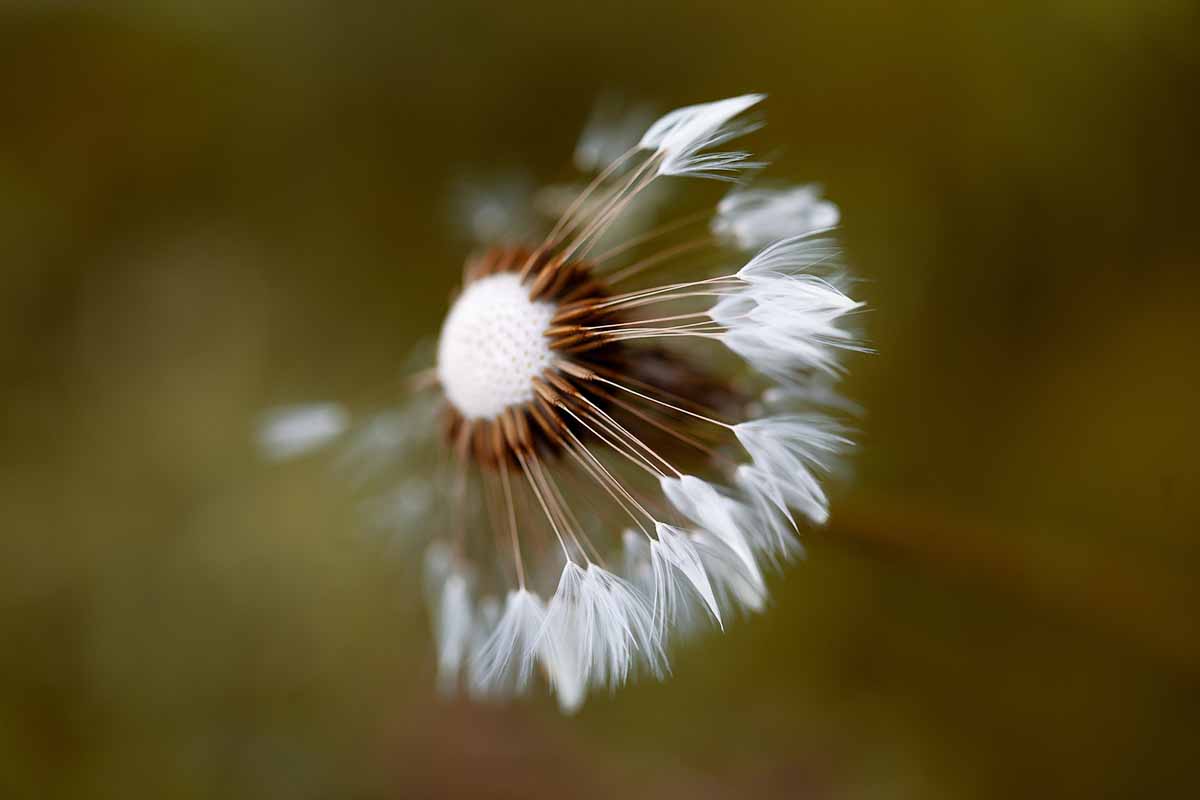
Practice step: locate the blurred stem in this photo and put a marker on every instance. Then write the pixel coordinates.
(1146, 605)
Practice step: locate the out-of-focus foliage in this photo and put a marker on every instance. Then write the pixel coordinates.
(207, 208)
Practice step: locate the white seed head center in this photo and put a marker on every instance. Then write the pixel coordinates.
(493, 345)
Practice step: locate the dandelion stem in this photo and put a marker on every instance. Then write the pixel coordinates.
(659, 257)
(512, 524)
(650, 235)
(607, 475)
(629, 437)
(664, 403)
(582, 197)
(542, 502)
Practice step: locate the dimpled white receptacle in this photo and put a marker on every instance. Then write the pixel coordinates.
(492, 346)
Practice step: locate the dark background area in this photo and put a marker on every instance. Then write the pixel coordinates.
(207, 208)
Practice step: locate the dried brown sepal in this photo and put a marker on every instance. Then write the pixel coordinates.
(545, 426)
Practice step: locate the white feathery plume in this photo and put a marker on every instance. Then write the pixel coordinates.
(596, 629)
(494, 207)
(612, 128)
(711, 115)
(623, 627)
(675, 610)
(671, 556)
(737, 588)
(503, 662)
(680, 136)
(401, 507)
(448, 589)
(805, 306)
(779, 540)
(754, 218)
(635, 561)
(803, 254)
(780, 444)
(780, 357)
(799, 489)
(487, 617)
(727, 519)
(785, 320)
(453, 630)
(782, 322)
(784, 450)
(294, 430)
(819, 390)
(378, 442)
(438, 565)
(565, 641)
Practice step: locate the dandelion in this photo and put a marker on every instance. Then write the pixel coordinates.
(615, 478)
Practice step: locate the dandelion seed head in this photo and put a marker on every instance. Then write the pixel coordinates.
(609, 489)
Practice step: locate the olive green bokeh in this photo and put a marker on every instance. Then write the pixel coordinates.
(207, 208)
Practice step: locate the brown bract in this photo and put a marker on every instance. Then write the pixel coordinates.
(572, 392)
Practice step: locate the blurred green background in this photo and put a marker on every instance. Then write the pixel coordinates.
(207, 208)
